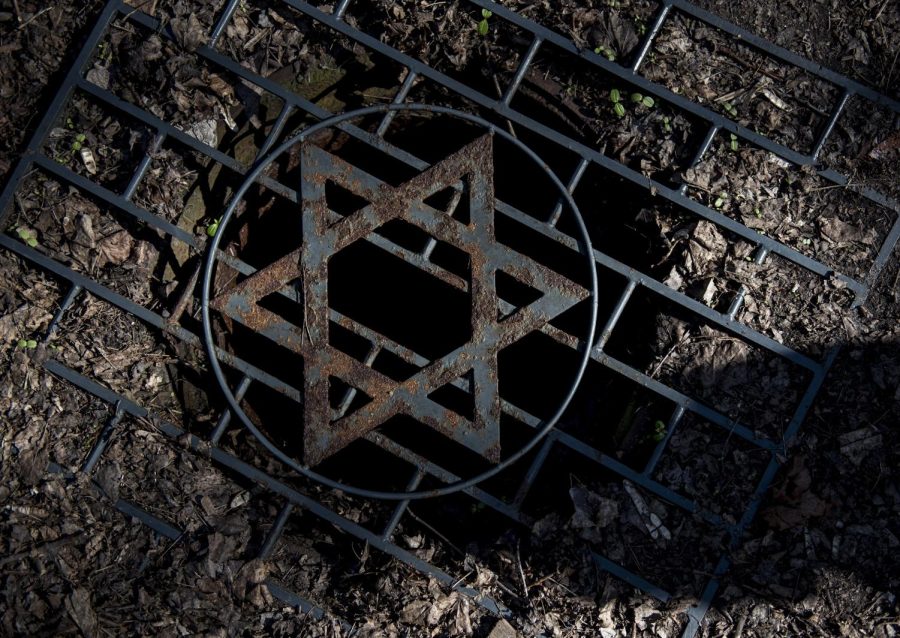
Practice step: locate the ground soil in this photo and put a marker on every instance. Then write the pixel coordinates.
(820, 559)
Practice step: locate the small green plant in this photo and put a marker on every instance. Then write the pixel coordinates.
(26, 344)
(659, 431)
(734, 143)
(27, 236)
(667, 124)
(607, 52)
(483, 26)
(730, 109)
(78, 142)
(646, 100)
(616, 98)
(758, 212)
(720, 200)
(213, 227)
(640, 26)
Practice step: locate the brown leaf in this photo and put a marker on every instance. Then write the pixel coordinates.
(78, 606)
(116, 248)
(189, 32)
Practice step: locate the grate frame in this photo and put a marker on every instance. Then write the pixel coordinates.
(122, 202)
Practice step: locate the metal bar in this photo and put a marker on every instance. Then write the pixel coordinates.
(277, 128)
(64, 306)
(274, 534)
(142, 168)
(402, 506)
(674, 420)
(401, 95)
(829, 125)
(341, 8)
(631, 578)
(614, 316)
(222, 23)
(696, 613)
(711, 133)
(738, 301)
(156, 524)
(225, 419)
(650, 36)
(533, 470)
(527, 59)
(571, 186)
(351, 392)
(305, 607)
(102, 441)
(887, 249)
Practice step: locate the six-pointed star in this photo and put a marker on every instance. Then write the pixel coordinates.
(325, 233)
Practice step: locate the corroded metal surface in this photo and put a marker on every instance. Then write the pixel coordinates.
(325, 233)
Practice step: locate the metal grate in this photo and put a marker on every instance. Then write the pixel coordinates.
(242, 376)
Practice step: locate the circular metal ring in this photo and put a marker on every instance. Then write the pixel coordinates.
(541, 430)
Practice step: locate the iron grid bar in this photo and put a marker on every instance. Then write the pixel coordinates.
(291, 101)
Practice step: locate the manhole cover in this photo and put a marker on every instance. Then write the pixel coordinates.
(404, 300)
(449, 206)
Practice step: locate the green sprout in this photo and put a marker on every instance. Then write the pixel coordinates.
(616, 98)
(640, 26)
(659, 431)
(730, 109)
(213, 227)
(483, 26)
(606, 51)
(667, 124)
(27, 236)
(720, 200)
(734, 143)
(79, 141)
(646, 100)
(26, 344)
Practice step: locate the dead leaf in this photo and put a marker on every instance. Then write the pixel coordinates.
(116, 248)
(78, 605)
(414, 613)
(189, 32)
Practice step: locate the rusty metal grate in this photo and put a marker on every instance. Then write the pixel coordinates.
(243, 301)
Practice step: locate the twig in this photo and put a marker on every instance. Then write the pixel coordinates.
(521, 571)
(34, 17)
(435, 532)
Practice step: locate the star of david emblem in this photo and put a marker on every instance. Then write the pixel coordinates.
(325, 233)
